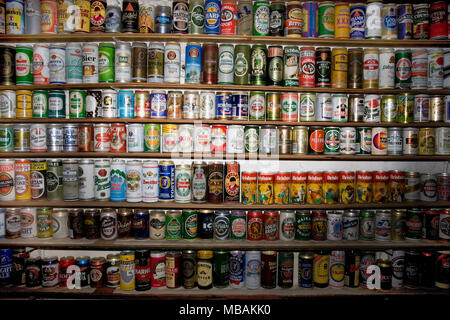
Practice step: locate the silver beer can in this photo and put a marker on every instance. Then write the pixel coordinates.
(60, 223)
(113, 19)
(32, 16)
(226, 64)
(186, 138)
(55, 137)
(395, 141)
(421, 108)
(108, 224)
(38, 137)
(350, 225)
(207, 105)
(70, 180)
(383, 222)
(135, 142)
(443, 141)
(373, 26)
(122, 66)
(235, 139)
(172, 62)
(324, 107)
(428, 191)
(337, 266)
(334, 225)
(398, 267)
(70, 136)
(252, 269)
(268, 140)
(287, 225)
(90, 63)
(86, 179)
(57, 63)
(410, 141)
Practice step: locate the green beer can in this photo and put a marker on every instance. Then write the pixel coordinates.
(261, 18)
(326, 20)
(56, 104)
(106, 53)
(196, 13)
(40, 104)
(242, 66)
(55, 189)
(24, 61)
(251, 138)
(414, 220)
(189, 218)
(6, 138)
(332, 140)
(258, 65)
(363, 140)
(173, 225)
(77, 104)
(303, 225)
(238, 225)
(221, 269)
(367, 225)
(291, 56)
(285, 269)
(403, 69)
(405, 108)
(152, 137)
(388, 108)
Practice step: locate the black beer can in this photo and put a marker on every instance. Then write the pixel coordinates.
(215, 182)
(430, 225)
(143, 270)
(285, 269)
(268, 269)
(232, 182)
(275, 65)
(124, 219)
(98, 16)
(33, 273)
(76, 224)
(205, 224)
(411, 278)
(221, 269)
(140, 228)
(323, 67)
(276, 19)
(351, 271)
(385, 272)
(7, 65)
(130, 16)
(188, 268)
(442, 278)
(92, 223)
(19, 260)
(94, 104)
(427, 269)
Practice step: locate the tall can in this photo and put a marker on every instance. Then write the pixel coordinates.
(386, 78)
(373, 27)
(307, 67)
(74, 63)
(323, 67)
(7, 192)
(357, 20)
(33, 17)
(57, 63)
(122, 62)
(127, 270)
(41, 58)
(118, 180)
(180, 16)
(310, 19)
(90, 63)
(438, 20)
(130, 16)
(86, 180)
(337, 269)
(371, 68)
(342, 20)
(261, 18)
(172, 62)
(228, 17)
(54, 179)
(82, 16)
(139, 65)
(225, 68)
(253, 269)
(326, 23)
(163, 19)
(70, 180)
(389, 21)
(210, 65)
(355, 68)
(405, 21)
(242, 67)
(339, 68)
(258, 63)
(15, 17)
(196, 15)
(23, 63)
(435, 69)
(193, 63)
(150, 181)
(291, 59)
(212, 17)
(98, 16)
(106, 62)
(403, 68)
(155, 62)
(102, 171)
(294, 20)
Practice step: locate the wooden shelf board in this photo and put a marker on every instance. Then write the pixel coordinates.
(224, 121)
(199, 244)
(219, 206)
(220, 156)
(216, 293)
(100, 37)
(218, 87)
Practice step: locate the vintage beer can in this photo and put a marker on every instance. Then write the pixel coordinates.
(323, 67)
(357, 20)
(373, 26)
(435, 78)
(127, 270)
(180, 17)
(14, 11)
(90, 63)
(183, 183)
(102, 170)
(7, 192)
(405, 21)
(403, 69)
(414, 219)
(339, 68)
(77, 104)
(135, 140)
(428, 191)
(23, 65)
(421, 22)
(326, 19)
(355, 68)
(437, 104)
(389, 108)
(371, 68)
(24, 108)
(438, 22)
(193, 63)
(163, 19)
(341, 20)
(196, 17)
(324, 107)
(38, 137)
(22, 138)
(291, 59)
(410, 141)
(367, 225)
(41, 59)
(383, 223)
(56, 104)
(346, 187)
(74, 63)
(130, 16)
(307, 67)
(123, 62)
(334, 225)
(44, 222)
(427, 141)
(86, 180)
(166, 173)
(106, 56)
(350, 225)
(337, 269)
(379, 141)
(306, 109)
(258, 63)
(340, 107)
(389, 21)
(109, 104)
(172, 63)
(212, 17)
(395, 141)
(199, 182)
(386, 77)
(412, 186)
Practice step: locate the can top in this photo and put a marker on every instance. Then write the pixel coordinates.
(98, 261)
(205, 254)
(306, 255)
(158, 254)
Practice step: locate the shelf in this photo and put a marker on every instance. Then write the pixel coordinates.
(220, 156)
(225, 121)
(217, 87)
(219, 206)
(203, 244)
(152, 37)
(228, 293)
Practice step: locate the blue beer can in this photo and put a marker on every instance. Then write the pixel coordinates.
(239, 104)
(158, 104)
(305, 269)
(221, 225)
(118, 180)
(212, 16)
(310, 14)
(140, 224)
(405, 21)
(237, 268)
(166, 171)
(193, 63)
(5, 266)
(357, 21)
(125, 103)
(224, 106)
(2, 223)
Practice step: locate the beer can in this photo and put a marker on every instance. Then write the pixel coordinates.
(442, 139)
(389, 108)
(130, 13)
(314, 188)
(24, 108)
(152, 137)
(86, 183)
(193, 63)
(90, 63)
(307, 67)
(56, 104)
(54, 179)
(102, 171)
(437, 108)
(294, 21)
(209, 67)
(291, 60)
(183, 183)
(212, 17)
(340, 108)
(395, 141)
(22, 137)
(155, 62)
(77, 104)
(74, 63)
(261, 18)
(28, 223)
(82, 16)
(383, 222)
(97, 16)
(224, 105)
(70, 180)
(435, 78)
(15, 16)
(199, 179)
(326, 23)
(196, 17)
(41, 59)
(428, 191)
(412, 186)
(185, 138)
(12, 223)
(410, 141)
(150, 179)
(190, 224)
(373, 26)
(163, 19)
(202, 138)
(221, 225)
(339, 68)
(106, 56)
(7, 138)
(38, 137)
(341, 20)
(403, 72)
(258, 63)
(405, 21)
(252, 269)
(438, 23)
(421, 22)
(334, 225)
(427, 141)
(386, 79)
(347, 140)
(389, 21)
(135, 140)
(323, 67)
(275, 65)
(310, 18)
(405, 108)
(127, 270)
(118, 137)
(40, 103)
(324, 107)
(444, 217)
(307, 107)
(173, 225)
(414, 218)
(419, 68)
(225, 64)
(367, 225)
(321, 269)
(122, 62)
(7, 192)
(379, 141)
(276, 21)
(23, 64)
(166, 173)
(235, 139)
(346, 187)
(350, 225)
(109, 104)
(398, 267)
(305, 269)
(337, 269)
(242, 65)
(355, 68)
(172, 63)
(371, 68)
(44, 222)
(249, 188)
(237, 268)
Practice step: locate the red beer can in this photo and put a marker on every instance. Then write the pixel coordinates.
(218, 138)
(268, 269)
(158, 267)
(319, 225)
(228, 16)
(64, 263)
(346, 186)
(397, 185)
(86, 137)
(271, 225)
(254, 225)
(307, 67)
(118, 137)
(438, 20)
(380, 186)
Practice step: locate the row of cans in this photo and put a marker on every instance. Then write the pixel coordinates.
(143, 224)
(237, 105)
(142, 270)
(291, 66)
(224, 139)
(150, 181)
(309, 19)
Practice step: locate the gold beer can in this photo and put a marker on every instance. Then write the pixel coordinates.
(427, 141)
(273, 108)
(339, 68)
(24, 109)
(437, 108)
(370, 68)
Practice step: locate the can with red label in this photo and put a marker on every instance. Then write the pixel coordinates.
(22, 170)
(316, 140)
(371, 68)
(331, 187)
(228, 17)
(346, 186)
(397, 185)
(380, 186)
(218, 138)
(248, 187)
(255, 225)
(289, 107)
(438, 20)
(271, 225)
(444, 225)
(319, 225)
(118, 137)
(265, 188)
(102, 137)
(430, 224)
(7, 190)
(443, 187)
(158, 267)
(379, 141)
(364, 187)
(314, 188)
(307, 67)
(141, 104)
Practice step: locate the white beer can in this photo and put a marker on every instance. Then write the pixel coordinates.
(252, 269)
(202, 138)
(134, 180)
(150, 181)
(386, 79)
(122, 66)
(183, 183)
(169, 138)
(60, 223)
(443, 141)
(287, 225)
(57, 63)
(109, 104)
(379, 141)
(38, 137)
(373, 28)
(41, 58)
(90, 63)
(102, 173)
(172, 63)
(398, 267)
(419, 68)
(102, 137)
(185, 138)
(337, 266)
(28, 223)
(235, 139)
(86, 182)
(207, 105)
(135, 135)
